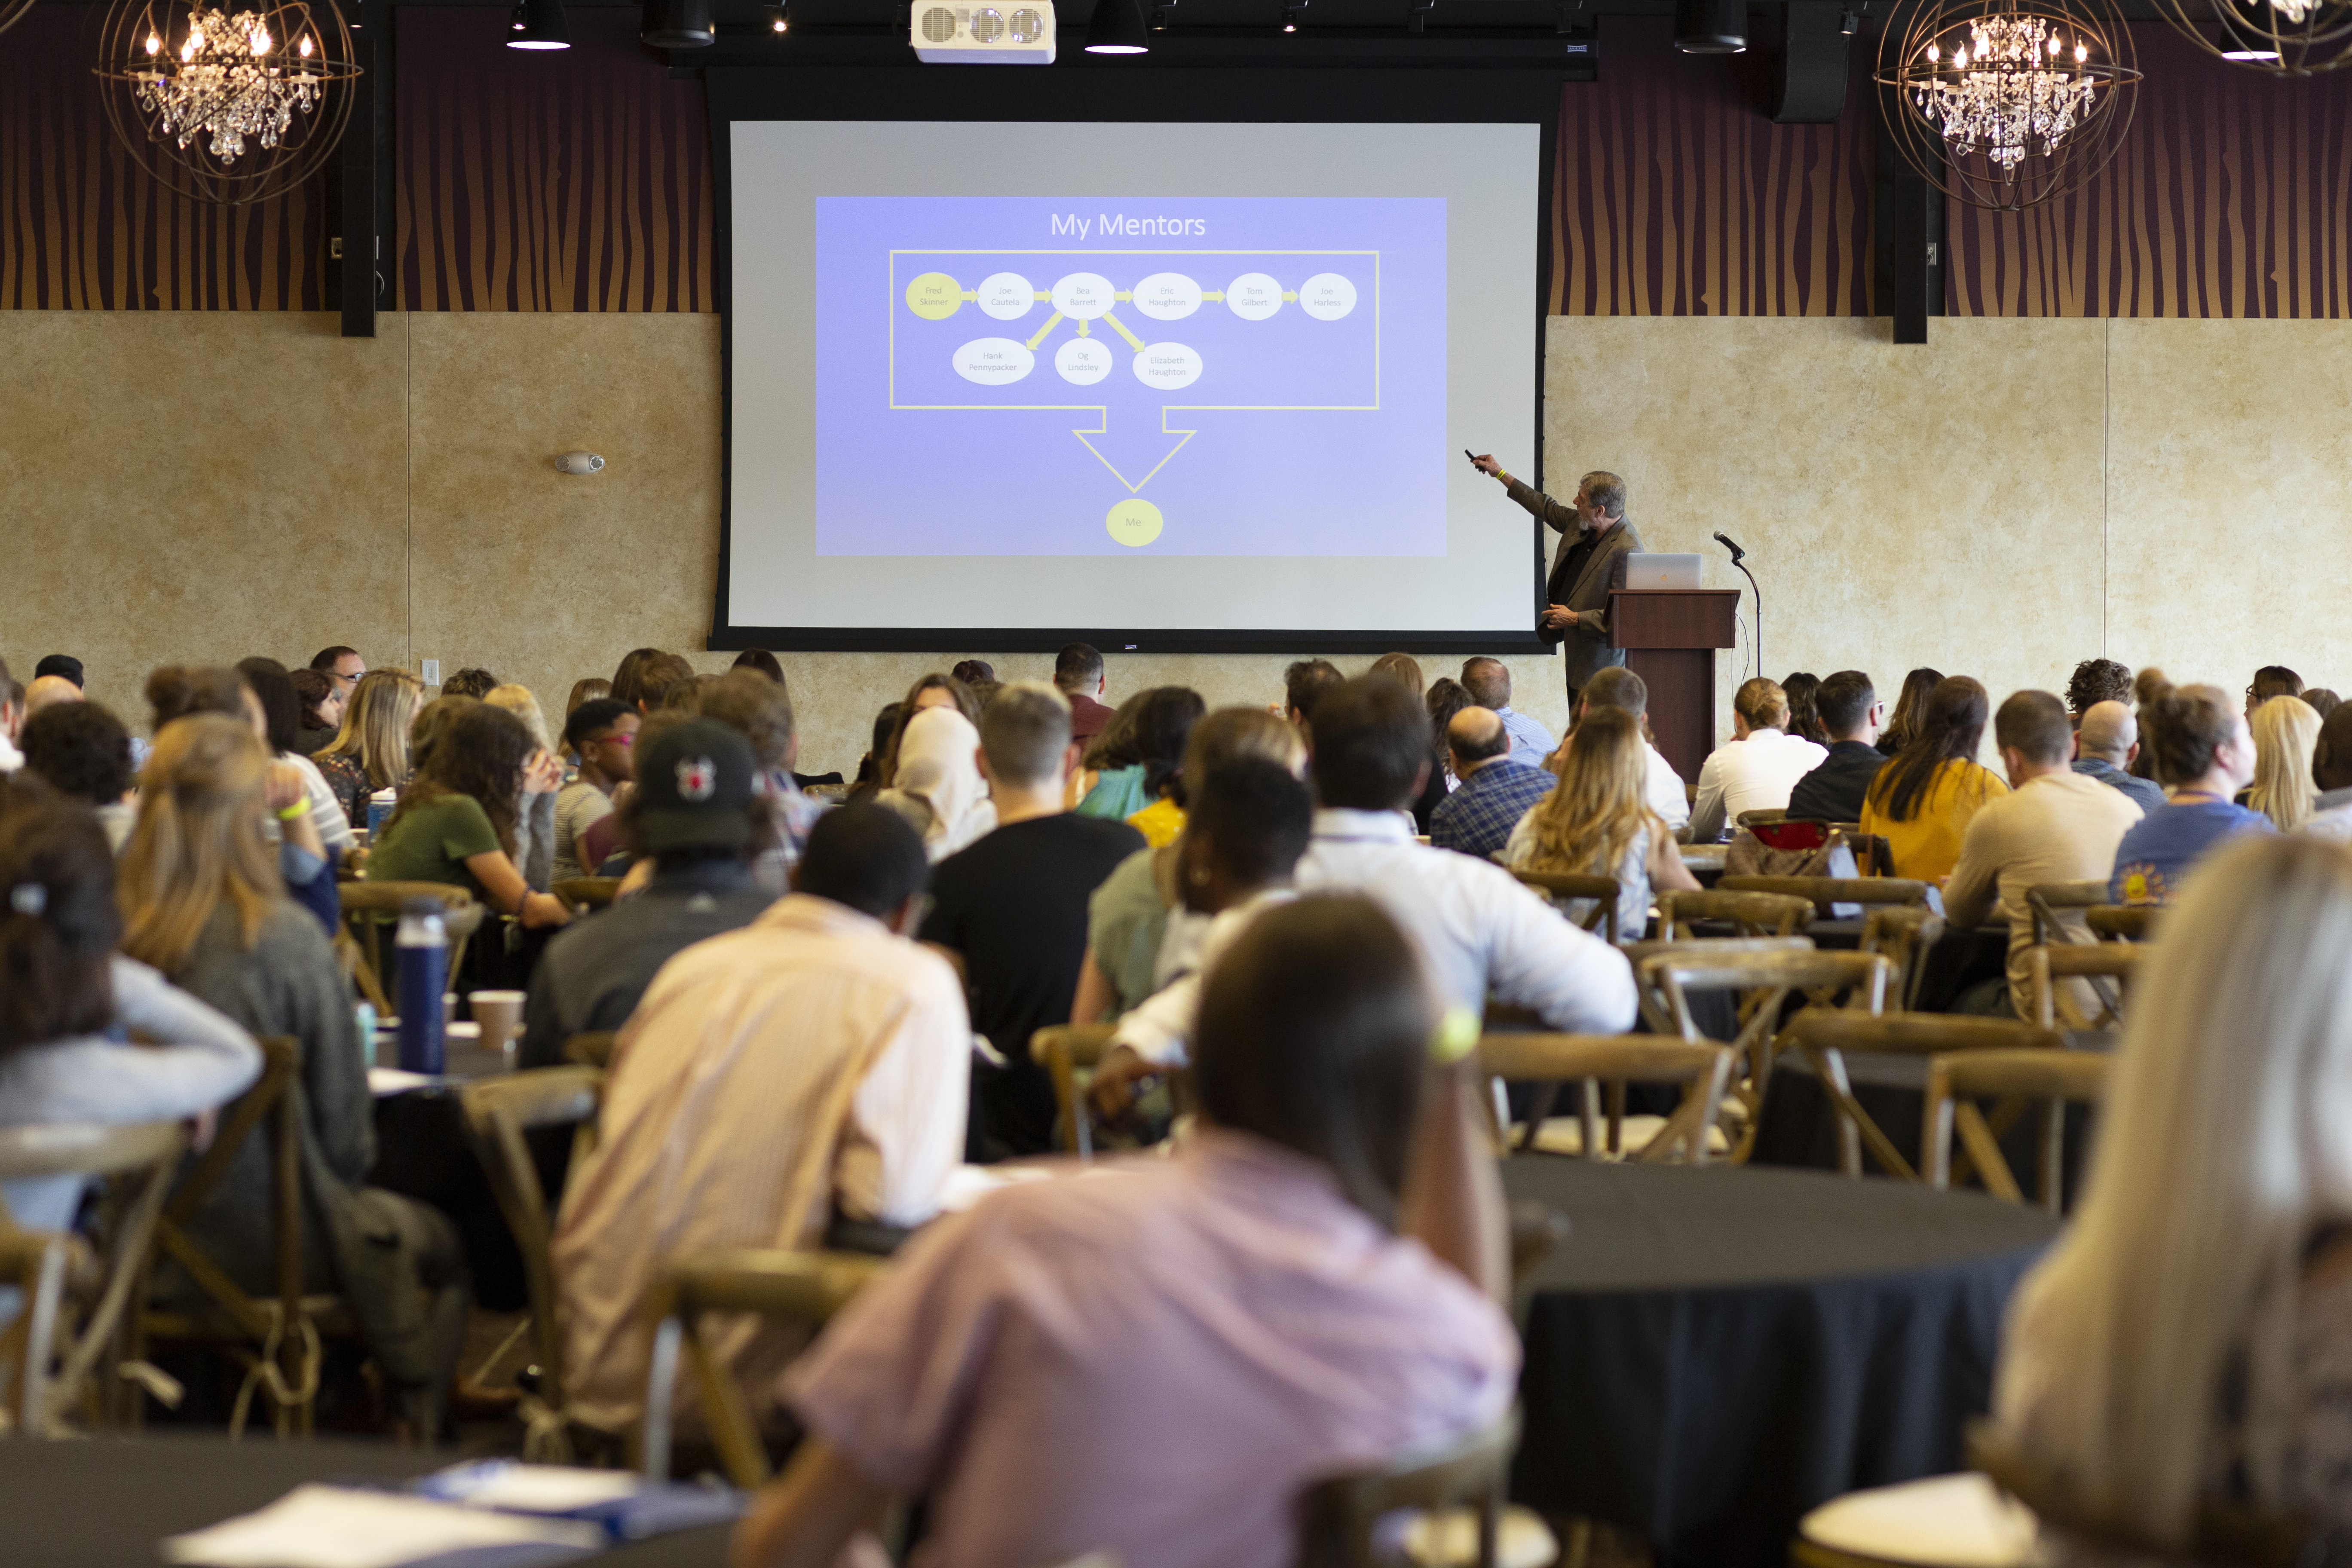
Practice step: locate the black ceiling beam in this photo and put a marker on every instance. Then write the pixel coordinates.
(359, 180)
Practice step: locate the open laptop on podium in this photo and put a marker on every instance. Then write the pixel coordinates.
(1661, 569)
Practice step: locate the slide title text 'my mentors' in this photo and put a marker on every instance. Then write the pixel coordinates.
(1107, 224)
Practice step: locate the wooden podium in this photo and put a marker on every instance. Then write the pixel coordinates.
(1670, 636)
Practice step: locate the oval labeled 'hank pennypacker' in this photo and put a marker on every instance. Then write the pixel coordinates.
(994, 362)
(1165, 367)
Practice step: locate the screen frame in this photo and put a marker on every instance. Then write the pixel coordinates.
(1084, 91)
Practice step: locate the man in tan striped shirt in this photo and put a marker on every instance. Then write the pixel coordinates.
(814, 1059)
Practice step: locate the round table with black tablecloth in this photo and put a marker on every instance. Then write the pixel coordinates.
(1713, 1351)
(107, 1503)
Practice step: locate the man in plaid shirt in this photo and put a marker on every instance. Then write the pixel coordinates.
(1495, 792)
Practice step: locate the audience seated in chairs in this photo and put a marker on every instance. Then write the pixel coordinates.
(1598, 823)
(1923, 799)
(1910, 706)
(2054, 826)
(542, 781)
(761, 710)
(933, 690)
(2272, 681)
(1080, 678)
(1488, 682)
(1850, 715)
(1615, 686)
(2107, 745)
(1757, 769)
(2285, 732)
(938, 789)
(603, 733)
(1308, 680)
(1127, 769)
(811, 1063)
(1445, 698)
(2181, 1347)
(281, 728)
(81, 749)
(2096, 681)
(1309, 1288)
(2331, 771)
(322, 704)
(2203, 754)
(1802, 687)
(1496, 789)
(1238, 856)
(370, 753)
(203, 904)
(456, 821)
(471, 682)
(1130, 952)
(67, 988)
(1012, 906)
(699, 850)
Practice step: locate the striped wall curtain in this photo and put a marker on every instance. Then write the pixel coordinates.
(572, 180)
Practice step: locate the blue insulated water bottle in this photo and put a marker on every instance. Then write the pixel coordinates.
(424, 945)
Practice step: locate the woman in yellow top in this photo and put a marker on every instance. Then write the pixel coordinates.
(1923, 799)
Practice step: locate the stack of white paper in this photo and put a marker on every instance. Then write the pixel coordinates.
(342, 1527)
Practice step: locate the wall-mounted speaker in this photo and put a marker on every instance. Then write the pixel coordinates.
(1809, 79)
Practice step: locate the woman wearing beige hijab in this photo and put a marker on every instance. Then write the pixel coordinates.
(938, 787)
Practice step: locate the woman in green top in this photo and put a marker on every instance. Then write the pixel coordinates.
(456, 821)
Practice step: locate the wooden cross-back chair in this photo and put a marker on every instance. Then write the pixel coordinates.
(1656, 1011)
(1751, 914)
(499, 1112)
(276, 1337)
(1062, 1050)
(1827, 893)
(1831, 982)
(1603, 892)
(799, 1288)
(48, 1364)
(1703, 1071)
(1827, 1037)
(2105, 968)
(580, 894)
(1903, 933)
(590, 1049)
(2123, 922)
(365, 928)
(2049, 904)
(1460, 1487)
(2055, 1078)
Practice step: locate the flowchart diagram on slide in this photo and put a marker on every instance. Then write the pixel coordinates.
(1111, 324)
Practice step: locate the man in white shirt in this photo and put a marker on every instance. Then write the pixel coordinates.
(813, 1061)
(1618, 687)
(1759, 767)
(1488, 682)
(2054, 826)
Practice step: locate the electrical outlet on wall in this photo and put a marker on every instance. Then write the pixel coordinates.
(432, 672)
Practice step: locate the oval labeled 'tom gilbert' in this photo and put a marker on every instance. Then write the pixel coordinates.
(1164, 367)
(1326, 296)
(1254, 296)
(1168, 296)
(994, 362)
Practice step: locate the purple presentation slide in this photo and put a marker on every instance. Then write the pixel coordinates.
(1103, 376)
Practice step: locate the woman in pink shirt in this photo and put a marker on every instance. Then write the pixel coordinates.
(1156, 1358)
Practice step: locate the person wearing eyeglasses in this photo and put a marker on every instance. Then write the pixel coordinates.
(604, 734)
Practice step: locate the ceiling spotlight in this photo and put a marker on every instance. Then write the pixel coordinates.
(1117, 28)
(675, 24)
(1290, 14)
(775, 18)
(539, 24)
(1849, 22)
(1711, 26)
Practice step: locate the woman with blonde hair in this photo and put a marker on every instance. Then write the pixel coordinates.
(2187, 1342)
(2287, 731)
(1130, 918)
(1597, 821)
(535, 821)
(939, 790)
(370, 751)
(201, 901)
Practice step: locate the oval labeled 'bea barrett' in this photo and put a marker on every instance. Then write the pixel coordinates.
(994, 362)
(1166, 366)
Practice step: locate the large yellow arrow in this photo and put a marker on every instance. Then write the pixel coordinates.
(1120, 328)
(1084, 331)
(1103, 427)
(1216, 294)
(1051, 323)
(1123, 294)
(1290, 294)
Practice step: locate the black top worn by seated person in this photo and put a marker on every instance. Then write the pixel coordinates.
(1833, 791)
(1015, 906)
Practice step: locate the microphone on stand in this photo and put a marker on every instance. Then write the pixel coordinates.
(1738, 559)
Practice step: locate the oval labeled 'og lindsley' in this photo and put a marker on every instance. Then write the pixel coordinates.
(1166, 366)
(994, 362)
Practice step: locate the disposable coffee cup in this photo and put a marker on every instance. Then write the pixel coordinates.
(500, 1014)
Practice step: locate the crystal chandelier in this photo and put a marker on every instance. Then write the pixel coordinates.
(2006, 106)
(2283, 38)
(226, 101)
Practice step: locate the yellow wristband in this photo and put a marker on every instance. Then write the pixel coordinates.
(300, 808)
(1456, 1037)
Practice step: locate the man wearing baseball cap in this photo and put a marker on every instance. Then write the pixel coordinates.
(813, 1064)
(692, 817)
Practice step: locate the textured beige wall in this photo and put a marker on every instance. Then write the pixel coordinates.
(2002, 502)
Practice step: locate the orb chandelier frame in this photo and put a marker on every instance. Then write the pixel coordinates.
(2277, 37)
(13, 12)
(229, 101)
(2007, 104)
